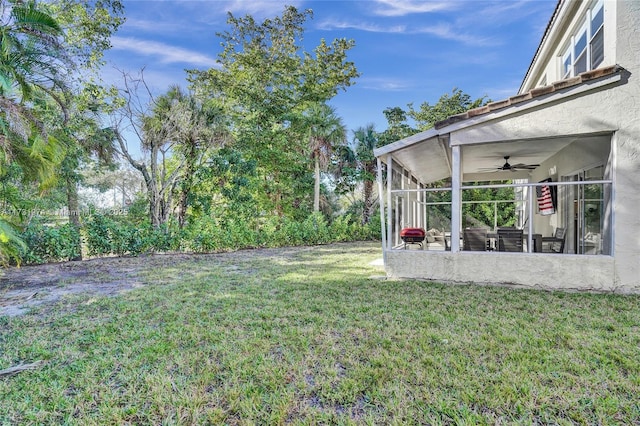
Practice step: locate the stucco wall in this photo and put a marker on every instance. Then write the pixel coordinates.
(627, 144)
(614, 108)
(542, 271)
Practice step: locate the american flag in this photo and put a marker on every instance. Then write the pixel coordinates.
(545, 200)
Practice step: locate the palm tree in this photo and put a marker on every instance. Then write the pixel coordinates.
(33, 67)
(325, 130)
(179, 126)
(199, 126)
(365, 139)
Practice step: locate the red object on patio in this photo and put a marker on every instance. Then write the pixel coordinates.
(412, 236)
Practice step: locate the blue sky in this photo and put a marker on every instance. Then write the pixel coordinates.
(406, 51)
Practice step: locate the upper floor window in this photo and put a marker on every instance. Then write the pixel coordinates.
(543, 82)
(586, 47)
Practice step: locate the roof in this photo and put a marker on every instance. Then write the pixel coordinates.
(427, 154)
(547, 30)
(561, 88)
(531, 94)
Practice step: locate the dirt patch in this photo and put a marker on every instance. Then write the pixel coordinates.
(22, 289)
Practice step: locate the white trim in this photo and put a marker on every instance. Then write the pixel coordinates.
(533, 103)
(501, 113)
(382, 203)
(389, 212)
(456, 197)
(408, 141)
(612, 202)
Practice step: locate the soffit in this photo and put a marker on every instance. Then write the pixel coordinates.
(428, 158)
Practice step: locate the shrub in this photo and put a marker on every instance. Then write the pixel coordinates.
(98, 235)
(46, 243)
(118, 235)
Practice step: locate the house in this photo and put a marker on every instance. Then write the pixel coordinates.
(567, 150)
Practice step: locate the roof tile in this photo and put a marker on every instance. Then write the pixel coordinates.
(520, 98)
(499, 104)
(562, 84)
(478, 111)
(533, 93)
(544, 90)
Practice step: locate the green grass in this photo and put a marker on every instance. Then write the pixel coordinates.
(310, 337)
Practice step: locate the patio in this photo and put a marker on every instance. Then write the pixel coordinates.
(506, 166)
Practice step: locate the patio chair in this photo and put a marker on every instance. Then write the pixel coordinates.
(510, 239)
(555, 243)
(474, 239)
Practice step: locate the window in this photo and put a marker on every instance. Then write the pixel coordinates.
(597, 35)
(580, 52)
(543, 82)
(586, 47)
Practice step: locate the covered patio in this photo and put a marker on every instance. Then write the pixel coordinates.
(525, 165)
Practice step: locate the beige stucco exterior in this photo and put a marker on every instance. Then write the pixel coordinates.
(598, 122)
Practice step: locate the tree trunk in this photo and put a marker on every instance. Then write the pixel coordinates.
(74, 213)
(316, 186)
(187, 183)
(368, 192)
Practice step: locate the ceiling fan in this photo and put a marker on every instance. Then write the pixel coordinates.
(513, 167)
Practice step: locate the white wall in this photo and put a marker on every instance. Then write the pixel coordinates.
(570, 19)
(612, 110)
(539, 270)
(582, 154)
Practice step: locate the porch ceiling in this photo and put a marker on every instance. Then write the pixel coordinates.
(428, 154)
(430, 161)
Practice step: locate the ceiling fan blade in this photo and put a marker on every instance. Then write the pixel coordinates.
(525, 166)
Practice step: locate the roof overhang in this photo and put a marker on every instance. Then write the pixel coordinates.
(428, 154)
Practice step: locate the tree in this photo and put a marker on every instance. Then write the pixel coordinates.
(33, 66)
(456, 103)
(397, 126)
(265, 80)
(87, 27)
(366, 140)
(356, 164)
(45, 47)
(136, 117)
(325, 130)
(175, 130)
(196, 127)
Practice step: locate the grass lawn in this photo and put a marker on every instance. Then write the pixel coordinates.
(308, 336)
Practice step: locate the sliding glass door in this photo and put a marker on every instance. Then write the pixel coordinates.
(584, 207)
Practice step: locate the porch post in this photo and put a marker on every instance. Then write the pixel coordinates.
(382, 204)
(389, 208)
(530, 191)
(456, 197)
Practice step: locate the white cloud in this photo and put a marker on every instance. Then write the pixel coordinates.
(450, 32)
(329, 25)
(259, 9)
(442, 30)
(153, 26)
(384, 84)
(403, 7)
(167, 53)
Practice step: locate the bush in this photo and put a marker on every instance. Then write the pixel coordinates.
(97, 231)
(46, 244)
(119, 235)
(108, 235)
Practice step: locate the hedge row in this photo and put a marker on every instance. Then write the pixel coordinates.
(105, 235)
